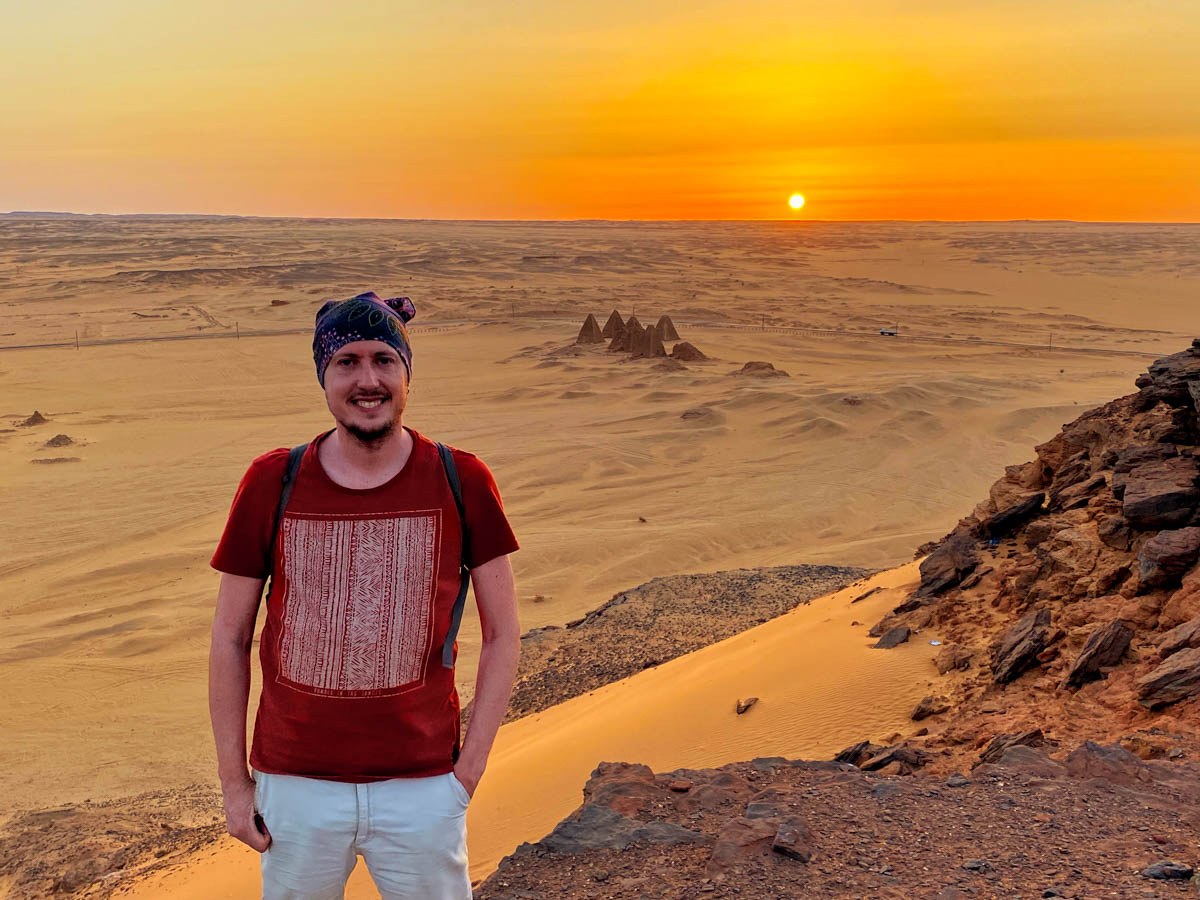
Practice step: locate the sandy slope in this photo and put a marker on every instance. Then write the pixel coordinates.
(821, 687)
(871, 447)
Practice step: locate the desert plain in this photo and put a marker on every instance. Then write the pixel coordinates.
(169, 351)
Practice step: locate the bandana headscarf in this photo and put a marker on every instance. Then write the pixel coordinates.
(362, 318)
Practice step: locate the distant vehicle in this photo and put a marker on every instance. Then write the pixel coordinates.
(891, 332)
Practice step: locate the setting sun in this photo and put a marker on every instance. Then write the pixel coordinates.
(796, 201)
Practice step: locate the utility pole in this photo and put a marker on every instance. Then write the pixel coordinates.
(76, 338)
(237, 330)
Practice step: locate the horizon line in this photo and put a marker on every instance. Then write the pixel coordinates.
(176, 215)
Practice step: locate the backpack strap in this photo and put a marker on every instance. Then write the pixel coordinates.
(464, 573)
(289, 481)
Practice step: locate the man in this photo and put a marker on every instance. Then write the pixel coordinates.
(356, 742)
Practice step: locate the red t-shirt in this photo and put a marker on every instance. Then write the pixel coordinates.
(363, 586)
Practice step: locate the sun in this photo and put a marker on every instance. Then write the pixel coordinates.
(796, 201)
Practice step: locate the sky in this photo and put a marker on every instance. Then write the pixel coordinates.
(540, 109)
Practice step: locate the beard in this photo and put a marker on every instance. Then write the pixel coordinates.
(370, 436)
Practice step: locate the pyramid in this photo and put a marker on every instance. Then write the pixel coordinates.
(620, 340)
(590, 332)
(684, 350)
(614, 324)
(653, 342)
(666, 329)
(637, 343)
(633, 323)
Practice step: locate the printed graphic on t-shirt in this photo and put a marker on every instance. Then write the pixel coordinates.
(357, 604)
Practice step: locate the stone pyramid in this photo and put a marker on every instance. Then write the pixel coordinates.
(590, 332)
(633, 323)
(666, 329)
(646, 344)
(620, 339)
(614, 324)
(684, 350)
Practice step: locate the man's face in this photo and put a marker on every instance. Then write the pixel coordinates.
(366, 388)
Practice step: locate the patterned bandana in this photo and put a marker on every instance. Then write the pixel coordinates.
(362, 318)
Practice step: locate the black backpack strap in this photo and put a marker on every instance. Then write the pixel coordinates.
(289, 481)
(464, 573)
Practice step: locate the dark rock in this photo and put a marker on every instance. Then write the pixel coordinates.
(1114, 532)
(1175, 679)
(743, 706)
(1168, 871)
(1175, 380)
(1105, 647)
(909, 758)
(794, 840)
(1112, 763)
(600, 828)
(1078, 494)
(1011, 517)
(1161, 494)
(857, 753)
(894, 638)
(739, 841)
(929, 706)
(59, 440)
(946, 566)
(1181, 637)
(953, 656)
(1167, 556)
(1131, 457)
(1001, 742)
(957, 780)
(1020, 646)
(1022, 759)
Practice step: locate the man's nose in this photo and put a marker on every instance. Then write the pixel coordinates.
(368, 375)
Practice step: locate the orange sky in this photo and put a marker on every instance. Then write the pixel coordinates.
(993, 109)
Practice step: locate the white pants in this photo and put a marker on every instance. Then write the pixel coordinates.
(412, 833)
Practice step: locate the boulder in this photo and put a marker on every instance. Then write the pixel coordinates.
(857, 753)
(1181, 637)
(946, 566)
(1022, 759)
(599, 828)
(589, 332)
(1161, 494)
(1168, 870)
(1033, 737)
(893, 638)
(1130, 458)
(666, 329)
(1011, 517)
(929, 706)
(1174, 380)
(1175, 679)
(1167, 556)
(741, 840)
(1114, 531)
(614, 324)
(907, 759)
(951, 657)
(686, 352)
(794, 840)
(1105, 646)
(1112, 763)
(1020, 646)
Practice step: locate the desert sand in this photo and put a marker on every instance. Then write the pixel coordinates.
(869, 447)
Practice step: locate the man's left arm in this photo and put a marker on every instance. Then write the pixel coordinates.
(496, 596)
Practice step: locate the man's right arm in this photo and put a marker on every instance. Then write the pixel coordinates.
(228, 696)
